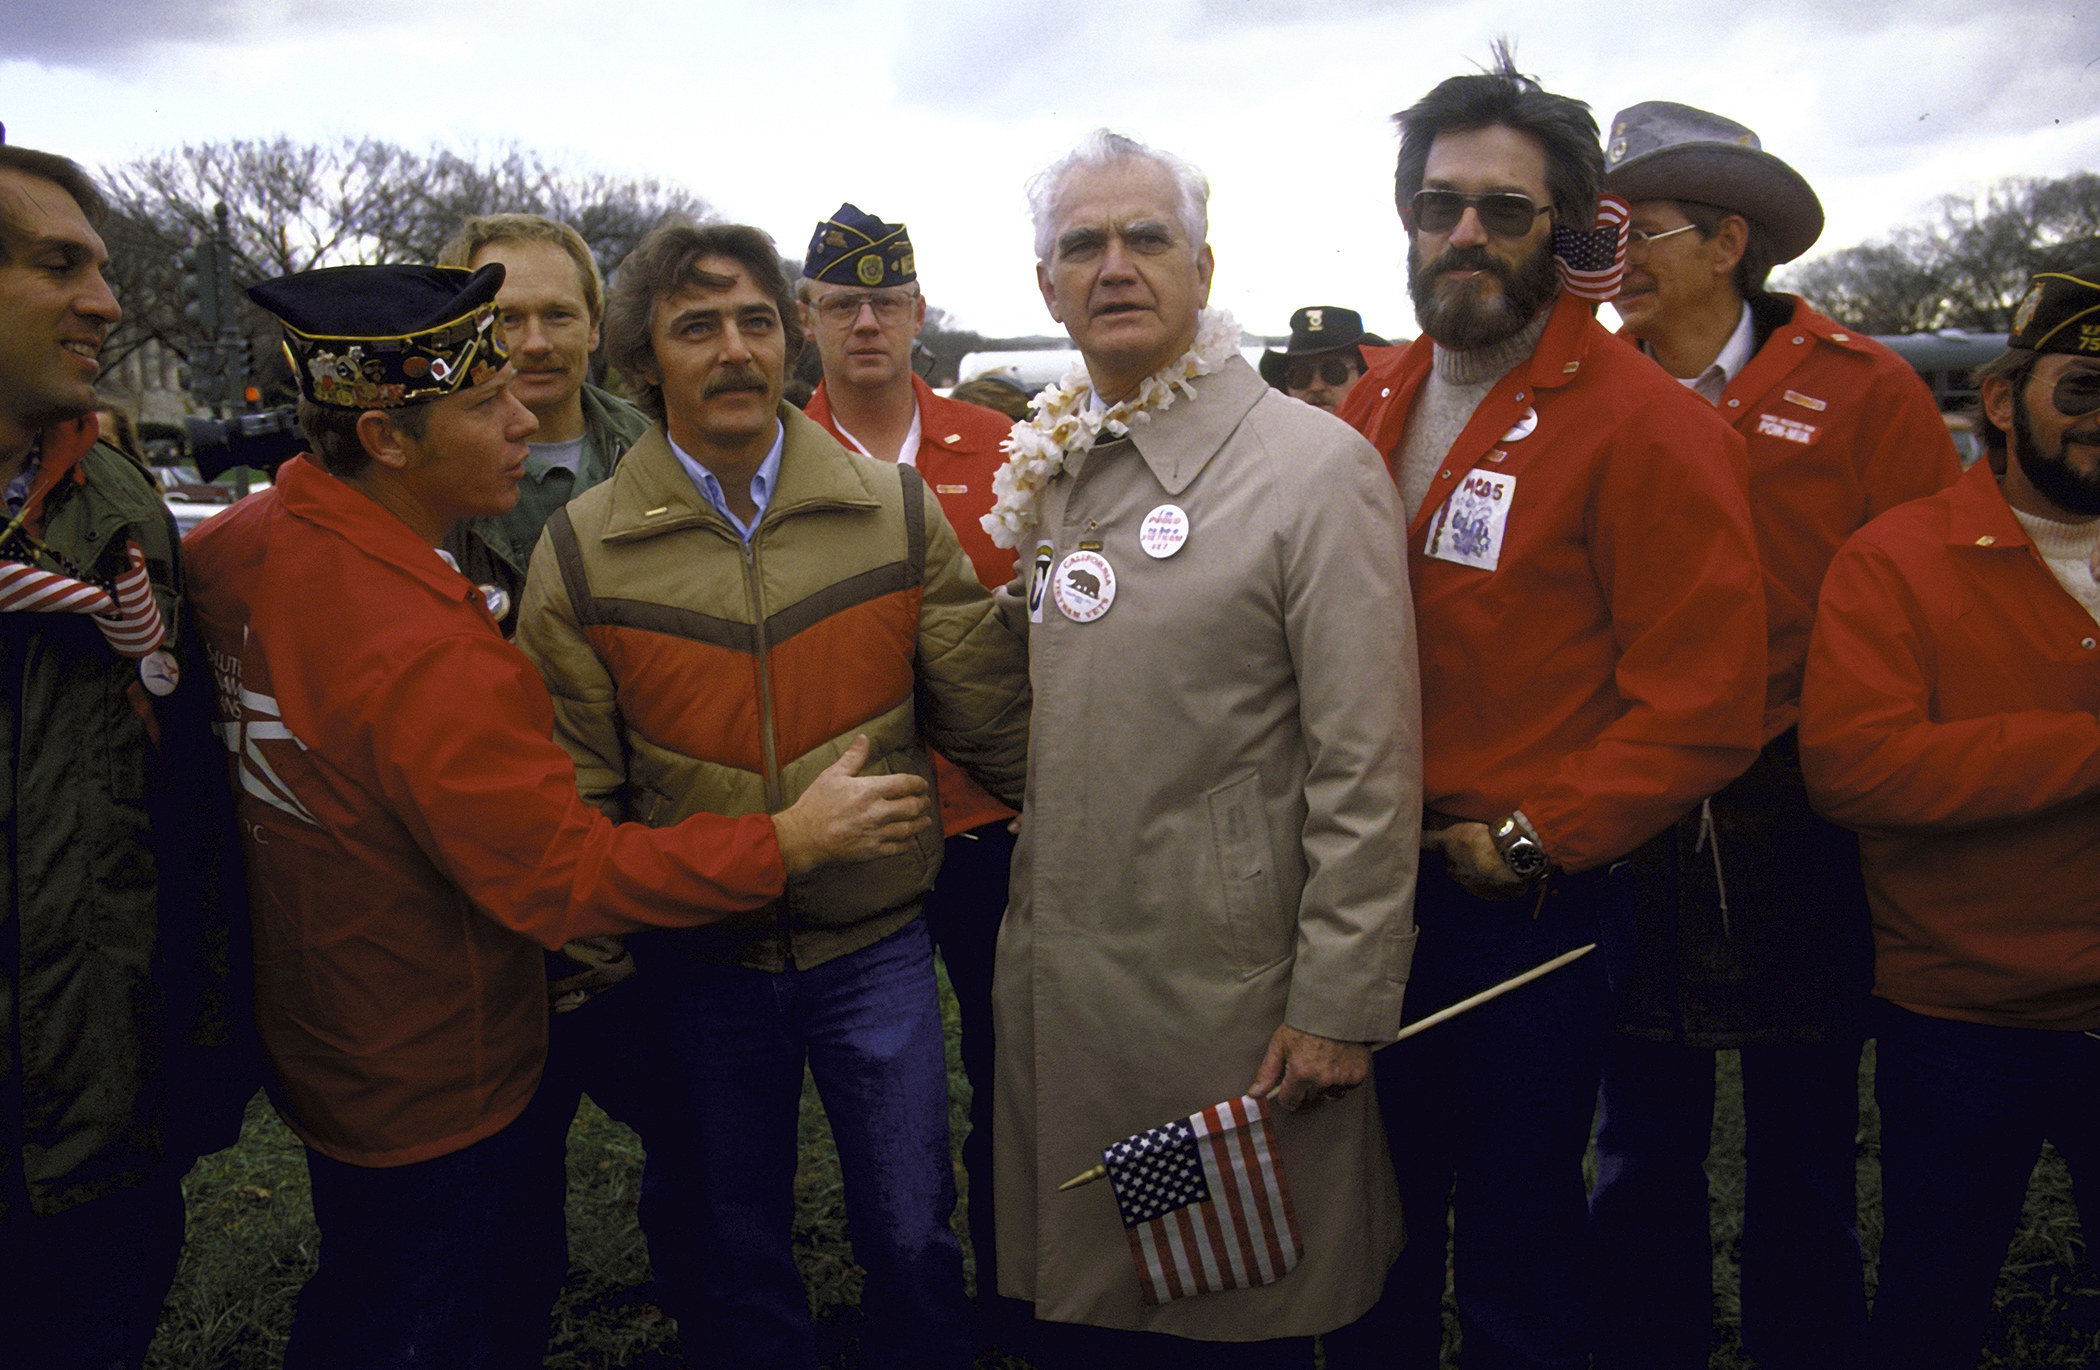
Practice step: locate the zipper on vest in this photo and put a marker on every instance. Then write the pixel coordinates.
(769, 750)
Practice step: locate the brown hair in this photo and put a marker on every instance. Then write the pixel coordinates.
(332, 433)
(63, 172)
(1505, 97)
(489, 230)
(664, 262)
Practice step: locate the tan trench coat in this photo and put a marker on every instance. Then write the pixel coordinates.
(1220, 834)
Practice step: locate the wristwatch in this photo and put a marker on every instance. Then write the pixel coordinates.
(1519, 846)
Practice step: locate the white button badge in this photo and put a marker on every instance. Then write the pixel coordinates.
(1085, 586)
(1522, 428)
(158, 672)
(1164, 530)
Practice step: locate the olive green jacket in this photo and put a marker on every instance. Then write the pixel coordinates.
(123, 942)
(496, 549)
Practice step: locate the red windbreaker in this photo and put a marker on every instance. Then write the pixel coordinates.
(414, 836)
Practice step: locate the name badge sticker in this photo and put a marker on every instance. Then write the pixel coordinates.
(1039, 580)
(1468, 528)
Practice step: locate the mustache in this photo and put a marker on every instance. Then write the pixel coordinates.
(735, 378)
(1468, 259)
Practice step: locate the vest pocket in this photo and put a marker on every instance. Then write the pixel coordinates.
(1254, 931)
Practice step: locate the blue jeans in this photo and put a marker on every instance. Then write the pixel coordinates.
(452, 1263)
(83, 1288)
(1804, 1293)
(1965, 1108)
(718, 1188)
(1488, 1117)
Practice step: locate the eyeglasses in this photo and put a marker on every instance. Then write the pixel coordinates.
(2077, 393)
(842, 309)
(1505, 213)
(1636, 238)
(1298, 375)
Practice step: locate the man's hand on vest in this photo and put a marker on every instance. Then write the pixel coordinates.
(846, 816)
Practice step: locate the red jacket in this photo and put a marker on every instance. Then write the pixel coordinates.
(1608, 674)
(1949, 714)
(1840, 431)
(414, 837)
(958, 451)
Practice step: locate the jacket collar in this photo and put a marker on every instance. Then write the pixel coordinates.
(1785, 346)
(652, 494)
(1179, 442)
(309, 492)
(1977, 514)
(933, 429)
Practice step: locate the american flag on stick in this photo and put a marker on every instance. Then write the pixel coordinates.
(1204, 1203)
(1592, 262)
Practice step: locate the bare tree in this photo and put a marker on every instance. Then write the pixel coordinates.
(293, 206)
(1965, 267)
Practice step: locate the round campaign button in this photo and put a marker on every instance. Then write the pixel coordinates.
(1164, 530)
(1522, 428)
(1085, 586)
(159, 672)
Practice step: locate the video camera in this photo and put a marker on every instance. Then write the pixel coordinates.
(264, 440)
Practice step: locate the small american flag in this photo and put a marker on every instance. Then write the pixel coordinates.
(129, 618)
(1204, 1203)
(1592, 261)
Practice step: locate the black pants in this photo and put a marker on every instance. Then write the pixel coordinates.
(83, 1288)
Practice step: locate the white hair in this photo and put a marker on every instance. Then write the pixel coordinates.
(1104, 148)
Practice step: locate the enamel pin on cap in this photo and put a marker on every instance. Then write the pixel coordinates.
(1164, 530)
(1085, 586)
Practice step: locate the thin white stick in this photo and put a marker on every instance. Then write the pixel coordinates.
(1492, 992)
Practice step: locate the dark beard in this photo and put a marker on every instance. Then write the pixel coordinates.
(2051, 473)
(1462, 320)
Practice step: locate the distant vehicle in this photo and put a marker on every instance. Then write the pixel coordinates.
(1944, 360)
(192, 499)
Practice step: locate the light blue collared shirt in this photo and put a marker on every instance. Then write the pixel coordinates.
(762, 482)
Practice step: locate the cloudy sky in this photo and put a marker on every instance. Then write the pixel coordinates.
(936, 111)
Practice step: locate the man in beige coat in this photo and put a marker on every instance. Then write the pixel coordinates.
(1213, 886)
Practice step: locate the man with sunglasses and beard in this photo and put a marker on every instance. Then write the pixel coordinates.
(1592, 656)
(1948, 713)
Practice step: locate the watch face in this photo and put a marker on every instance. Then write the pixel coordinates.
(1524, 857)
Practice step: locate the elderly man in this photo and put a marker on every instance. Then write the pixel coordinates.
(718, 621)
(1752, 931)
(1948, 714)
(550, 309)
(862, 308)
(1592, 631)
(1324, 358)
(119, 885)
(1211, 891)
(414, 836)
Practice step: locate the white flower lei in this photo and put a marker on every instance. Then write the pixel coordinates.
(1065, 423)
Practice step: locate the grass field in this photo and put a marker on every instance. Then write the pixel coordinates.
(252, 1241)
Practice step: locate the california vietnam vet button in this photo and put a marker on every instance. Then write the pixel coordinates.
(1085, 586)
(159, 671)
(1164, 530)
(1521, 429)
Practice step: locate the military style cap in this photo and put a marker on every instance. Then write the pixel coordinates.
(1315, 329)
(852, 248)
(1664, 151)
(2061, 313)
(385, 337)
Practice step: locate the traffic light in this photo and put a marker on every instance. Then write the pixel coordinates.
(202, 307)
(217, 356)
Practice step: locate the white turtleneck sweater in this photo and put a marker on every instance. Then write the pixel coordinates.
(1457, 383)
(2067, 549)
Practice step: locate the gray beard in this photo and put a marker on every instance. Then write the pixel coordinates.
(1461, 320)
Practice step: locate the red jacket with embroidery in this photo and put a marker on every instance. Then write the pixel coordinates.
(1949, 714)
(958, 451)
(414, 836)
(1608, 672)
(1840, 431)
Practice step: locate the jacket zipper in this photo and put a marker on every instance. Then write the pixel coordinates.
(769, 750)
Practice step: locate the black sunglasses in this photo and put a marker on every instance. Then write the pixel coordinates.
(2077, 394)
(1298, 375)
(1504, 213)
